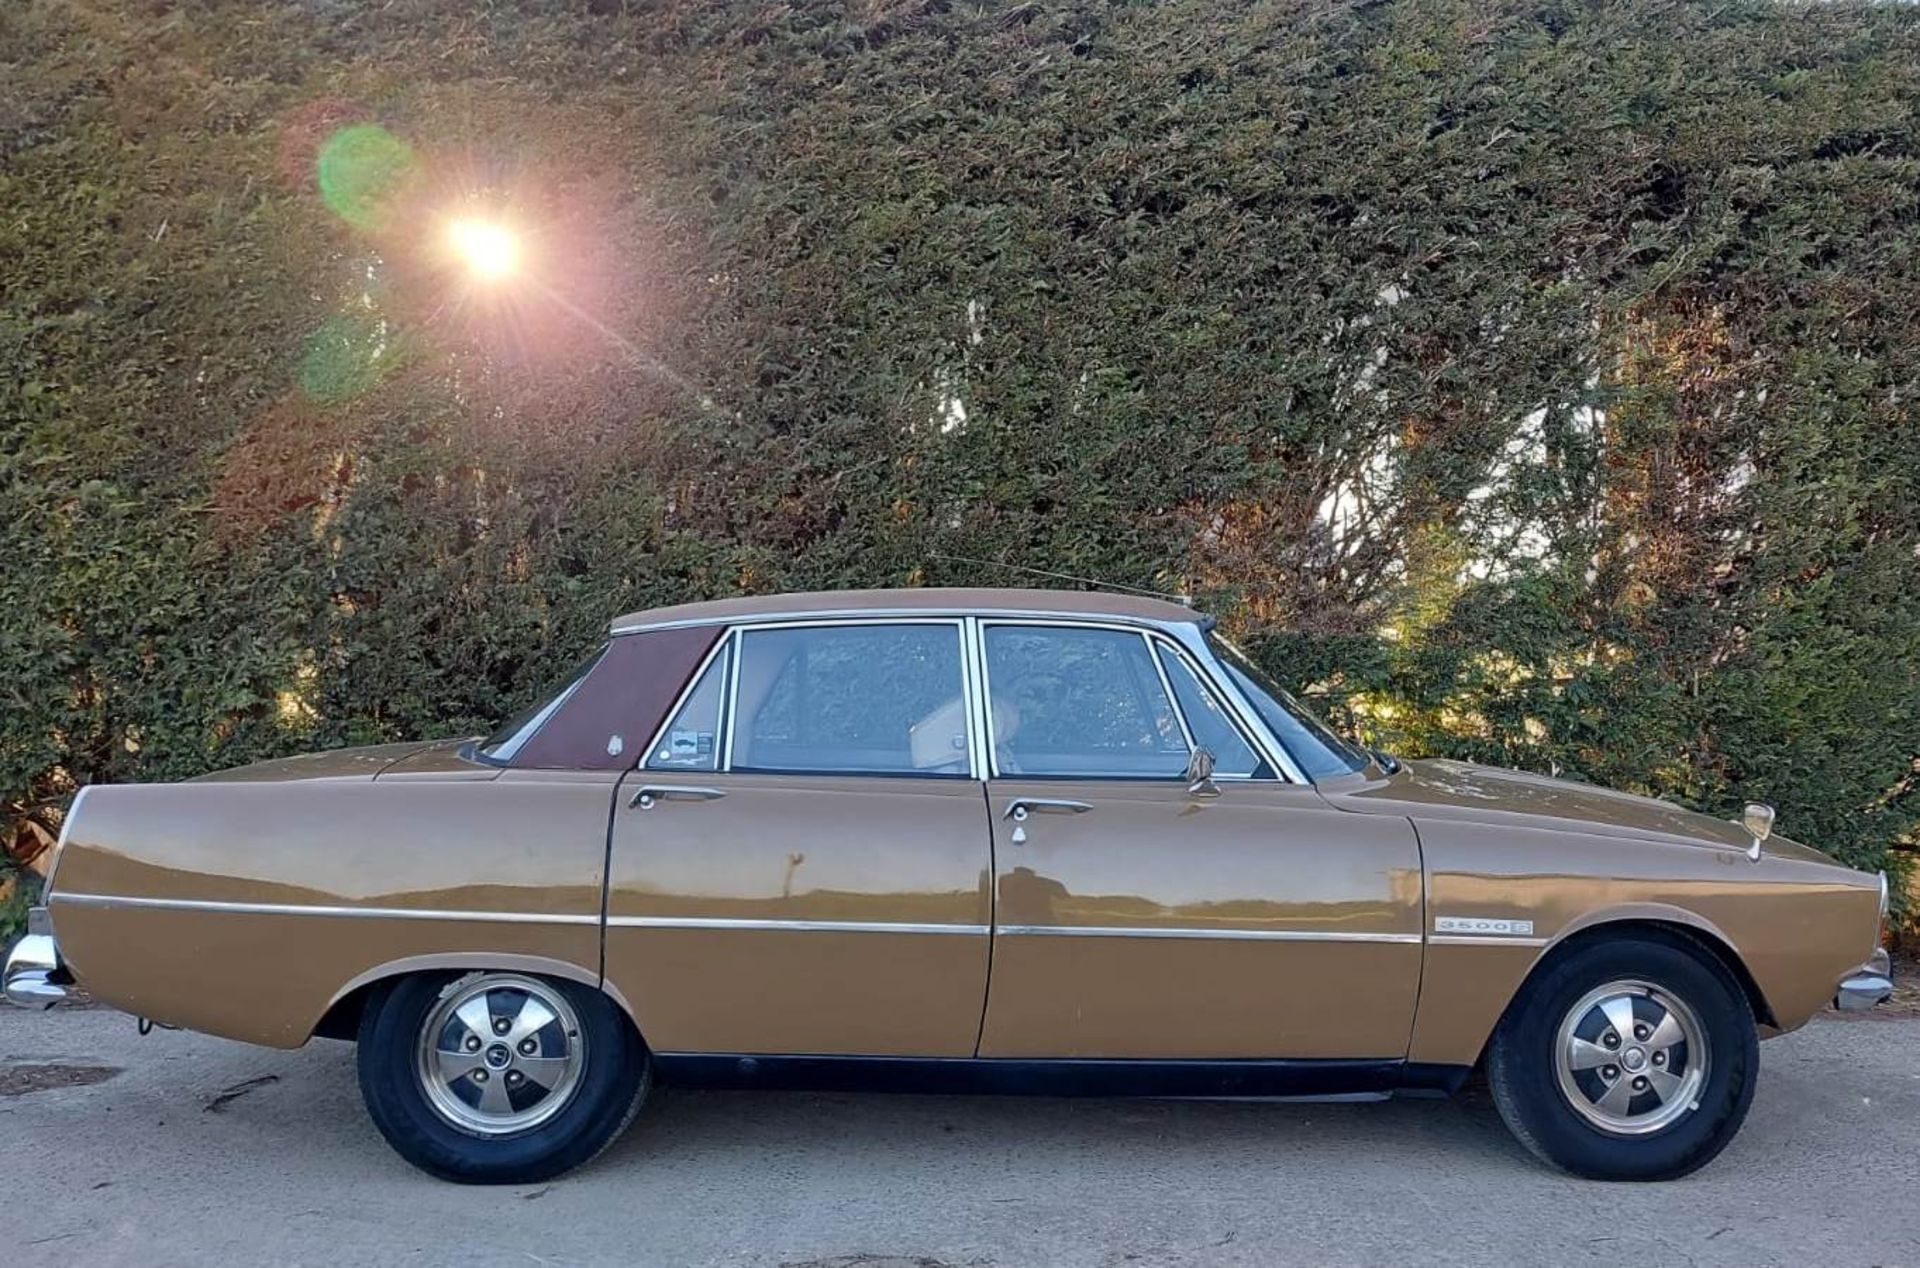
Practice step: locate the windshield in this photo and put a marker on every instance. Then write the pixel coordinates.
(1320, 752)
(522, 726)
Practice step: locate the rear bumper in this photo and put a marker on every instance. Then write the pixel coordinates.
(1866, 986)
(35, 976)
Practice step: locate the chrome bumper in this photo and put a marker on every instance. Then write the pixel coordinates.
(35, 976)
(1867, 985)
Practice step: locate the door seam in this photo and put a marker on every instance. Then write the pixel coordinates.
(1420, 980)
(993, 917)
(606, 870)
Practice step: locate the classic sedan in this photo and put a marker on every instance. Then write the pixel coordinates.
(981, 840)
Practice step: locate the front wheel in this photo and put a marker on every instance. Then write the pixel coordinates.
(1629, 1059)
(498, 1078)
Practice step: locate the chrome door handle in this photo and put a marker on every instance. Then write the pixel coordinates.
(650, 793)
(1020, 807)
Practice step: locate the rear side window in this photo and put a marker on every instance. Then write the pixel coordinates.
(884, 699)
(504, 744)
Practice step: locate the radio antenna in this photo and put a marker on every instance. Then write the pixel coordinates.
(1184, 600)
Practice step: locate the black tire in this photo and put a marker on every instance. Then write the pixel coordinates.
(612, 1081)
(1525, 1083)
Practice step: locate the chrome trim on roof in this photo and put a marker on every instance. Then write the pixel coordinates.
(624, 626)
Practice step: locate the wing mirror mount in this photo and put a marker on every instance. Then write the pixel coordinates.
(1200, 774)
(1757, 819)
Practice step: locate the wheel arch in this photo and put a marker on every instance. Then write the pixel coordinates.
(341, 1018)
(1672, 924)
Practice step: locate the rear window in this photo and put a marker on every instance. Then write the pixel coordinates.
(514, 733)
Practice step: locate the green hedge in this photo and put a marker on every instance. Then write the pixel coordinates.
(1531, 383)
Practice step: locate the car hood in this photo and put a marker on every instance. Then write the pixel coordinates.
(1460, 790)
(339, 763)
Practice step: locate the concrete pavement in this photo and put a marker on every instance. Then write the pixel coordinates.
(151, 1166)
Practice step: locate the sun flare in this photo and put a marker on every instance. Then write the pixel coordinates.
(489, 251)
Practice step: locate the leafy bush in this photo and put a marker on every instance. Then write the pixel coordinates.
(1530, 382)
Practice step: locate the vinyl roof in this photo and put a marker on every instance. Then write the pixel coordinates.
(924, 601)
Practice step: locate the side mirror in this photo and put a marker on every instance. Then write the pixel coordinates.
(1200, 774)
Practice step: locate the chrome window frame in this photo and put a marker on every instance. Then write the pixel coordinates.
(738, 632)
(1187, 637)
(1191, 639)
(1262, 743)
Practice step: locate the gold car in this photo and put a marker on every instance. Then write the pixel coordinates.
(982, 840)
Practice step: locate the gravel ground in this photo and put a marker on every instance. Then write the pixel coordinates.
(179, 1149)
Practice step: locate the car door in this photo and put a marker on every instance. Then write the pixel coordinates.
(1137, 918)
(801, 863)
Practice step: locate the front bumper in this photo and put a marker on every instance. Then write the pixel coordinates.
(1866, 986)
(35, 975)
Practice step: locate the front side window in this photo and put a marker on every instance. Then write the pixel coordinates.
(868, 699)
(1075, 702)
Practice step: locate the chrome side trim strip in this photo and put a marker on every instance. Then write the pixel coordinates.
(315, 909)
(1249, 935)
(788, 926)
(1479, 940)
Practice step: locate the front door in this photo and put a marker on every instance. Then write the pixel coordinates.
(801, 863)
(1136, 918)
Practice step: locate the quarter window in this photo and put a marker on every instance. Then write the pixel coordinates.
(692, 740)
(1079, 702)
(1207, 719)
(872, 699)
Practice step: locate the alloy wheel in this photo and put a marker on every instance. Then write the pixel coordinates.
(1631, 1058)
(500, 1053)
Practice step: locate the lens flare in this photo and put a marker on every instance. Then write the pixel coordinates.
(489, 251)
(348, 356)
(362, 171)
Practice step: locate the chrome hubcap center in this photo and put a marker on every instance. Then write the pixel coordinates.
(498, 1056)
(1634, 1059)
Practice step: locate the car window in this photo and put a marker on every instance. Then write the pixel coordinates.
(1208, 721)
(870, 699)
(514, 733)
(691, 740)
(1320, 752)
(1067, 701)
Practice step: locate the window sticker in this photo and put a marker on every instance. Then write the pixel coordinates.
(687, 745)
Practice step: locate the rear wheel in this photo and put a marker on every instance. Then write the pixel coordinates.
(498, 1078)
(1629, 1059)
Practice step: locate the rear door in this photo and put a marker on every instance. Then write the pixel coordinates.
(1138, 919)
(801, 863)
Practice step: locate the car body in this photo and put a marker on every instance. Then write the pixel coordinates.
(984, 839)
